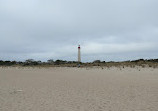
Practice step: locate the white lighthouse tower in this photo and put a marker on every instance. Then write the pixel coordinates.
(79, 54)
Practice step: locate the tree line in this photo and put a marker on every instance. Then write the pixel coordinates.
(32, 62)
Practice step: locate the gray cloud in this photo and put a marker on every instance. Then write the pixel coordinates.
(106, 29)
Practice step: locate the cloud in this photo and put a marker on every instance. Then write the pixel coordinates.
(43, 29)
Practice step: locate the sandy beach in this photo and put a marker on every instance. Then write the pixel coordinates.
(78, 89)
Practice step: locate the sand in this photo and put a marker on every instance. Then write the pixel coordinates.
(78, 89)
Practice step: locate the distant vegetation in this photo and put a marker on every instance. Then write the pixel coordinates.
(32, 62)
(63, 63)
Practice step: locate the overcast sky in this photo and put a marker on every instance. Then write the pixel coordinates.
(110, 30)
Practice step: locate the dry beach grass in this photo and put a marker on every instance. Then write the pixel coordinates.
(78, 89)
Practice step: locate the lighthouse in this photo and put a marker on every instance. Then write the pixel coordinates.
(79, 54)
